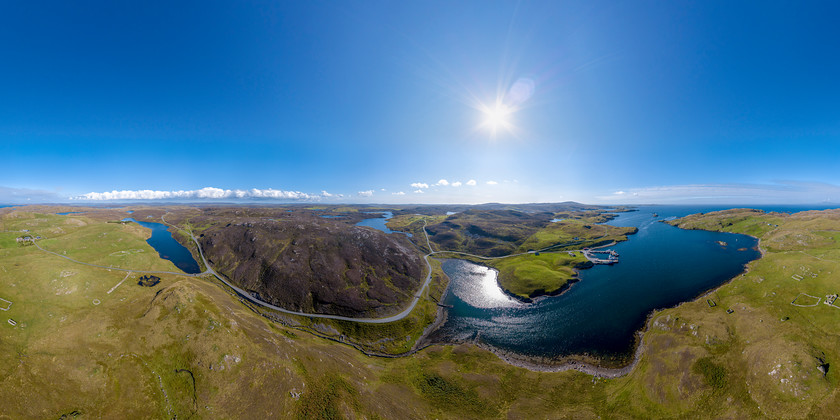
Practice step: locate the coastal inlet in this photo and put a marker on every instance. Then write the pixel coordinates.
(599, 315)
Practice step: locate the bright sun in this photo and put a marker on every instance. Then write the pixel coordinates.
(497, 117)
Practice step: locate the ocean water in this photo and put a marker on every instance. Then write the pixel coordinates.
(660, 266)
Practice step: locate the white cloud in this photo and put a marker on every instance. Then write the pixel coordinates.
(419, 185)
(418, 191)
(619, 193)
(367, 193)
(382, 189)
(456, 184)
(325, 194)
(398, 193)
(471, 183)
(202, 194)
(492, 183)
(443, 182)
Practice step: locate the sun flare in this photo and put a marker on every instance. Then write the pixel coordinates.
(497, 117)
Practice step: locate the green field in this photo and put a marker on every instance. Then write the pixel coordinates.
(577, 233)
(533, 275)
(186, 347)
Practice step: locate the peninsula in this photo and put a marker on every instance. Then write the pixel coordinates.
(184, 344)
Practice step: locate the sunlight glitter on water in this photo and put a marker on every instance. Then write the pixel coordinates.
(660, 266)
(482, 290)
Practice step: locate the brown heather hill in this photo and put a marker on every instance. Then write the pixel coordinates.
(486, 232)
(306, 263)
(499, 232)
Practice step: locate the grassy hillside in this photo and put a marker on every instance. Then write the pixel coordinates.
(188, 348)
(530, 275)
(770, 350)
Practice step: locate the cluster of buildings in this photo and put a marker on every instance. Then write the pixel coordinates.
(22, 239)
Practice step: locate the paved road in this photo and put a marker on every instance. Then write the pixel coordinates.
(114, 268)
(248, 296)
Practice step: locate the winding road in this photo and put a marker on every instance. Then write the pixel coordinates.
(248, 296)
(115, 268)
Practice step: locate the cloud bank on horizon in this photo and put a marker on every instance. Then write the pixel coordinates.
(203, 193)
(470, 192)
(213, 193)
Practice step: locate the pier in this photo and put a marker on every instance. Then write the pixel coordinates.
(596, 256)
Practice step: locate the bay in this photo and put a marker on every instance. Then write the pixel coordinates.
(660, 266)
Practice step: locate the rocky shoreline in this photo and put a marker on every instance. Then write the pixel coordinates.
(536, 296)
(587, 364)
(582, 363)
(570, 363)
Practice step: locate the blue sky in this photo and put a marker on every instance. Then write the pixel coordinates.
(603, 102)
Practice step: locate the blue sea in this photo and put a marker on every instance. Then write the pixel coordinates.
(660, 266)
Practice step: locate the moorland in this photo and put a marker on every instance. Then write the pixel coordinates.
(85, 341)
